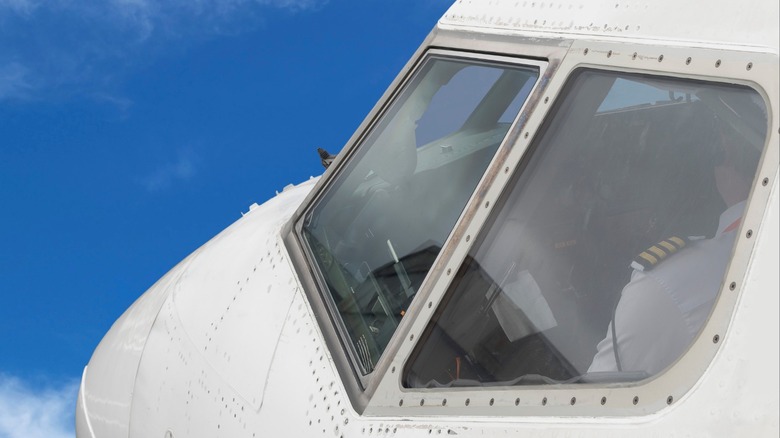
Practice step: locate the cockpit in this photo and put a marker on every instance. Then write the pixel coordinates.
(625, 164)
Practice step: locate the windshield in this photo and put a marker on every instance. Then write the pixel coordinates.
(605, 256)
(376, 232)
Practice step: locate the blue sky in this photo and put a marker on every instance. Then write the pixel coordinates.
(132, 131)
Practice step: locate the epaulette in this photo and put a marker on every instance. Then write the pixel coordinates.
(653, 256)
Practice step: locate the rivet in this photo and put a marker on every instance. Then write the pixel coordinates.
(401, 402)
(525, 135)
(688, 61)
(609, 54)
(468, 238)
(422, 401)
(749, 66)
(392, 370)
(492, 400)
(733, 285)
(487, 204)
(430, 304)
(749, 234)
(506, 169)
(517, 401)
(717, 63)
(661, 58)
(544, 401)
(636, 399)
(444, 402)
(669, 400)
(634, 56)
(715, 339)
(411, 337)
(468, 401)
(546, 99)
(585, 51)
(765, 181)
(573, 401)
(449, 271)
(603, 400)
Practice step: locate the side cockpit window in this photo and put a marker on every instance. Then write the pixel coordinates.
(376, 231)
(605, 255)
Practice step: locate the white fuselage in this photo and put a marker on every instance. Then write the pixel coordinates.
(238, 340)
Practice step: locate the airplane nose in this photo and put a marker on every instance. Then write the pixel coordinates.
(105, 395)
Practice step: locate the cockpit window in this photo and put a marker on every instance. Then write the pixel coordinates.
(604, 258)
(376, 232)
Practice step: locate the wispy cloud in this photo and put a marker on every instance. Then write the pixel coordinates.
(180, 170)
(82, 46)
(14, 81)
(18, 6)
(27, 412)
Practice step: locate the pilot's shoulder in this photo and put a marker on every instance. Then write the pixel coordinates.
(658, 252)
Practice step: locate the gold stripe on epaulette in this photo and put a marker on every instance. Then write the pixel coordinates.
(670, 247)
(657, 251)
(645, 255)
(654, 255)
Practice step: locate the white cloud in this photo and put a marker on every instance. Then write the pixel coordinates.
(83, 46)
(26, 412)
(23, 7)
(14, 81)
(182, 169)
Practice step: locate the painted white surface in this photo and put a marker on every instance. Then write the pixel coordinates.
(227, 345)
(689, 23)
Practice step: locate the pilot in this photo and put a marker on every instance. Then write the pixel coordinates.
(675, 282)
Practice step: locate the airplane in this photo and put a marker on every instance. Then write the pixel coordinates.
(560, 219)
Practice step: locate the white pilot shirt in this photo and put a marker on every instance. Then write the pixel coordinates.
(662, 310)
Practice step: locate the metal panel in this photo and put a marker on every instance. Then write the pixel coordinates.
(756, 70)
(713, 24)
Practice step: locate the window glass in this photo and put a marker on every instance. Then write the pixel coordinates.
(376, 232)
(604, 257)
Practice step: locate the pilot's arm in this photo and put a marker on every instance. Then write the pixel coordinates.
(650, 328)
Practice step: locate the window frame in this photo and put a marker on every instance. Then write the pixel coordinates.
(360, 388)
(558, 116)
(639, 398)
